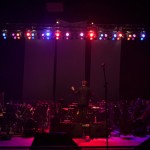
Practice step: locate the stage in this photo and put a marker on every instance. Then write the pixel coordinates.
(84, 143)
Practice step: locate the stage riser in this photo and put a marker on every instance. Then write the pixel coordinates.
(76, 130)
(53, 140)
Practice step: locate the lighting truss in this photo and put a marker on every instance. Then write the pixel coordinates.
(74, 31)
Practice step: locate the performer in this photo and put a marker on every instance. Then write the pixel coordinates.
(84, 95)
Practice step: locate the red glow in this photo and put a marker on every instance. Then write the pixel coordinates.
(120, 34)
(91, 34)
(57, 34)
(130, 35)
(18, 34)
(28, 34)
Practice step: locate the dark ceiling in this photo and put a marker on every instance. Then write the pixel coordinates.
(98, 11)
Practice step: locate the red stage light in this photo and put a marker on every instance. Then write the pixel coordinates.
(57, 34)
(28, 34)
(91, 34)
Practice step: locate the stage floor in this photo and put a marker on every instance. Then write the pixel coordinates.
(85, 143)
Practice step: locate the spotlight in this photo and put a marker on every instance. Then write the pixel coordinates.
(91, 34)
(101, 35)
(142, 35)
(16, 35)
(28, 34)
(4, 34)
(114, 35)
(48, 34)
(81, 35)
(120, 35)
(67, 35)
(57, 34)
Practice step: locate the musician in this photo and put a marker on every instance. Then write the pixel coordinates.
(145, 116)
(84, 95)
(141, 124)
(1, 116)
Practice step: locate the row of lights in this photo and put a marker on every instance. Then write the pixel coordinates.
(91, 34)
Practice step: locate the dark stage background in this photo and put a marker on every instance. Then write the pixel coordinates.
(33, 70)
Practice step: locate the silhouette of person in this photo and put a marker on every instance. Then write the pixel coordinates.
(84, 95)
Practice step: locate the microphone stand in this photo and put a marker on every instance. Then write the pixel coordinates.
(106, 103)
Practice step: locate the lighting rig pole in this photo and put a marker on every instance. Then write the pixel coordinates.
(106, 102)
(54, 77)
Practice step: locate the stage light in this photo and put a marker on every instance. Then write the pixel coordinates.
(58, 22)
(134, 35)
(120, 35)
(81, 35)
(128, 35)
(67, 35)
(92, 23)
(104, 35)
(142, 35)
(46, 35)
(4, 34)
(43, 36)
(28, 35)
(100, 38)
(57, 34)
(13, 35)
(114, 35)
(33, 36)
(16, 35)
(101, 35)
(91, 34)
(131, 35)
